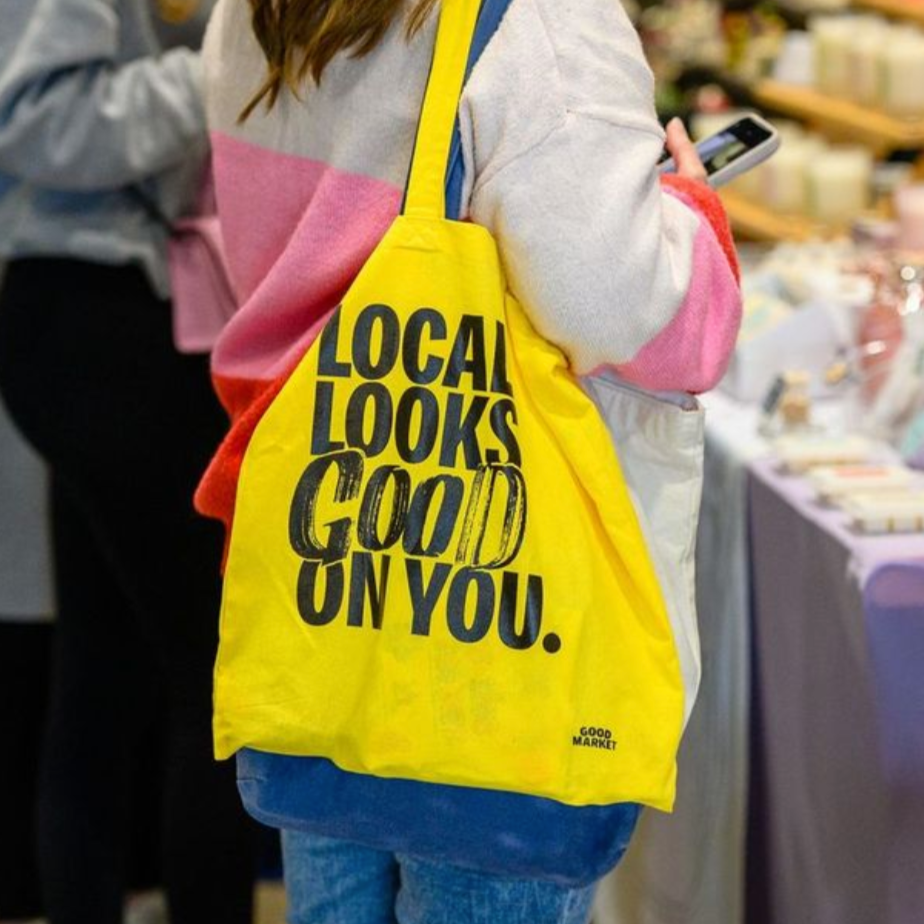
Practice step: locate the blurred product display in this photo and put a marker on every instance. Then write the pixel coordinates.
(870, 60)
(833, 287)
(846, 322)
(814, 490)
(844, 85)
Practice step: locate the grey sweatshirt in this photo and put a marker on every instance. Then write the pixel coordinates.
(102, 130)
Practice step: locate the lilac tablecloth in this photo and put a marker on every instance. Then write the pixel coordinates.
(820, 832)
(688, 868)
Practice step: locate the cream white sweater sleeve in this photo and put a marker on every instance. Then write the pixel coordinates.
(560, 133)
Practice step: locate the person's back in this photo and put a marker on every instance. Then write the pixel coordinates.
(611, 263)
(614, 265)
(560, 139)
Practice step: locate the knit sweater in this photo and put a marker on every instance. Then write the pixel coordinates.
(102, 130)
(560, 144)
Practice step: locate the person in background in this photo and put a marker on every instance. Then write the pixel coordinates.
(102, 141)
(26, 636)
(313, 107)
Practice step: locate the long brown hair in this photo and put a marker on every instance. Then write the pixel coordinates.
(300, 37)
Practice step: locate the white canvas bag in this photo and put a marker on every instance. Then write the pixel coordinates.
(659, 438)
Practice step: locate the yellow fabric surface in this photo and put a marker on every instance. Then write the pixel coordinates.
(435, 569)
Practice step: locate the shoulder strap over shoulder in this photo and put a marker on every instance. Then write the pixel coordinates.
(426, 193)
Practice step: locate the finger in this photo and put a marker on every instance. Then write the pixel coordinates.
(684, 152)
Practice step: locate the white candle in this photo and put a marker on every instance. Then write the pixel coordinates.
(795, 63)
(832, 35)
(839, 183)
(866, 51)
(902, 73)
(785, 180)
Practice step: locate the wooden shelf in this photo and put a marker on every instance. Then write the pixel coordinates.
(753, 221)
(912, 10)
(840, 117)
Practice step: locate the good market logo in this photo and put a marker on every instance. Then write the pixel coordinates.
(591, 737)
(460, 411)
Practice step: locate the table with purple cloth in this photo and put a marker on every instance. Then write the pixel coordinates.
(818, 848)
(804, 763)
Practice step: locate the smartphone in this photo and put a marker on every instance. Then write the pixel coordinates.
(728, 153)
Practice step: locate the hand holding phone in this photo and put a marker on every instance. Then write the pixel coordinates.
(730, 152)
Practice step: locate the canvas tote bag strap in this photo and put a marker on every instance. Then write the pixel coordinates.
(426, 189)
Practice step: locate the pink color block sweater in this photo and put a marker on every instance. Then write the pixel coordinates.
(560, 142)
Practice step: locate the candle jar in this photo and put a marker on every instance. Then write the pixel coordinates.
(795, 63)
(839, 184)
(786, 177)
(902, 73)
(866, 52)
(832, 38)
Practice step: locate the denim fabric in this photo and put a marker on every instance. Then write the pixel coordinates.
(499, 833)
(335, 882)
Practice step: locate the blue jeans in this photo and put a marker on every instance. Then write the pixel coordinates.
(336, 882)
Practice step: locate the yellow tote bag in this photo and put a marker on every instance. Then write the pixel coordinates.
(435, 570)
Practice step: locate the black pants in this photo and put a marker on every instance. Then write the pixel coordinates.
(127, 425)
(24, 665)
